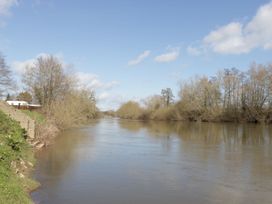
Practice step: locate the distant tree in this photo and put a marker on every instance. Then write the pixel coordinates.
(91, 95)
(6, 81)
(24, 96)
(8, 97)
(167, 96)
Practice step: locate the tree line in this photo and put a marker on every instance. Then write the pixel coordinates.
(230, 96)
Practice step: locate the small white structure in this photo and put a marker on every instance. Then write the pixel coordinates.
(17, 103)
(23, 105)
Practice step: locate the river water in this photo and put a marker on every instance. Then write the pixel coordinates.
(130, 162)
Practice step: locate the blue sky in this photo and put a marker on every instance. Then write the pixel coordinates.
(129, 49)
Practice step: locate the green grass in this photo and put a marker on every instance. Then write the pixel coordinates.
(38, 117)
(13, 148)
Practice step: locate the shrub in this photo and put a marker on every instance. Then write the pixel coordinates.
(76, 108)
(130, 110)
(166, 113)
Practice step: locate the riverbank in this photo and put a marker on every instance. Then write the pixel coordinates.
(16, 162)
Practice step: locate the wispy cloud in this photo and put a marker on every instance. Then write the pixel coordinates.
(238, 37)
(170, 56)
(139, 58)
(5, 6)
(92, 81)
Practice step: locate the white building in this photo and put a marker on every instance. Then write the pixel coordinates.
(23, 105)
(17, 103)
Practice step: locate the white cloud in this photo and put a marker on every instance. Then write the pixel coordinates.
(5, 6)
(19, 67)
(238, 38)
(103, 96)
(109, 101)
(140, 58)
(228, 39)
(88, 80)
(168, 57)
(92, 81)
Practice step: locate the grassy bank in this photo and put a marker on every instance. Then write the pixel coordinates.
(38, 117)
(16, 160)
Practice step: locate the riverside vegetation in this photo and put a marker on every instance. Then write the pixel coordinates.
(65, 103)
(230, 96)
(16, 159)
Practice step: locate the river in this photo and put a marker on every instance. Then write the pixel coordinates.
(115, 161)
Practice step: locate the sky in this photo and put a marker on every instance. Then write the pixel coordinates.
(129, 50)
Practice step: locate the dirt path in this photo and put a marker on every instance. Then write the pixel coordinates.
(25, 121)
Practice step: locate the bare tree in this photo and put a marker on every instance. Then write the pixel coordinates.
(231, 86)
(167, 96)
(6, 81)
(258, 91)
(46, 80)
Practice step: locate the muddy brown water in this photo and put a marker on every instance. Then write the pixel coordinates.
(130, 162)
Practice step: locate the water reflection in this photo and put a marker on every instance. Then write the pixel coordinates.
(239, 150)
(119, 161)
(210, 133)
(69, 143)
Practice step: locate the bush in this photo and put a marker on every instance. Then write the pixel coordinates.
(166, 113)
(76, 108)
(130, 110)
